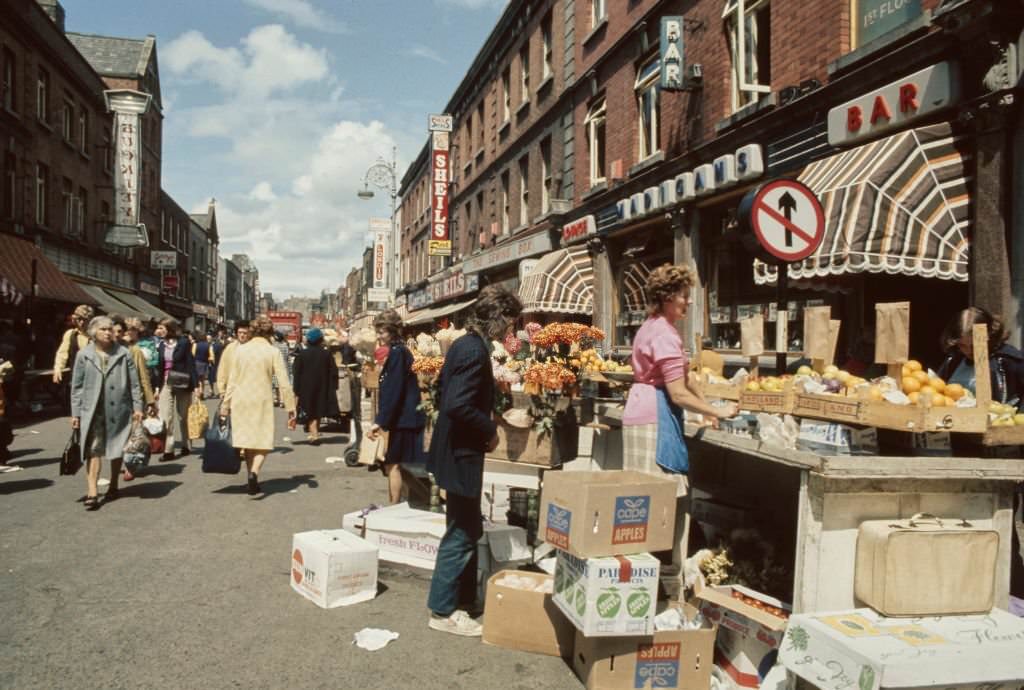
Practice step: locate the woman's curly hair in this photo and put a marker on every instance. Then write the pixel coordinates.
(663, 283)
(962, 325)
(262, 327)
(389, 321)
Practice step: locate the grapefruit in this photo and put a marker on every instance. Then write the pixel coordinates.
(954, 391)
(911, 385)
(921, 376)
(914, 365)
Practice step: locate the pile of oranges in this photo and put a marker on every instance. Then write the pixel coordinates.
(923, 389)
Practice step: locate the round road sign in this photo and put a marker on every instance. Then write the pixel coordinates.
(788, 219)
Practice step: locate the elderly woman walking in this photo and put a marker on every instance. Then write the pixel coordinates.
(106, 398)
(398, 411)
(249, 399)
(316, 383)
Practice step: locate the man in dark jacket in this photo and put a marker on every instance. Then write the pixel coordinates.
(464, 431)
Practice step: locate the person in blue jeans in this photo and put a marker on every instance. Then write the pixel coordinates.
(463, 432)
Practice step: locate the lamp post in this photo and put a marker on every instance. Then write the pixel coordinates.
(384, 175)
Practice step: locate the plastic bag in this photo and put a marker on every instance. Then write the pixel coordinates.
(137, 448)
(776, 430)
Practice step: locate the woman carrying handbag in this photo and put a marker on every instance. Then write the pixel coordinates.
(179, 381)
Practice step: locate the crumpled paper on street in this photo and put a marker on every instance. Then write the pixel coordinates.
(373, 639)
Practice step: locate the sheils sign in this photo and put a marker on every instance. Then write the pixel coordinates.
(895, 105)
(726, 171)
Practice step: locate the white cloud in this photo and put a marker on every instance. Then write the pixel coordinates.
(428, 53)
(262, 192)
(473, 4)
(301, 13)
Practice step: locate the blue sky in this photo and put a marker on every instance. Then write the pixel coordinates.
(277, 108)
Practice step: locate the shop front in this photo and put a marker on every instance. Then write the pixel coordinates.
(441, 299)
(501, 264)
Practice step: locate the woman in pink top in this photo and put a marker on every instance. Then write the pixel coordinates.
(652, 423)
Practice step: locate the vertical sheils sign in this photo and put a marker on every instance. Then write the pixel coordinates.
(380, 228)
(128, 106)
(672, 62)
(440, 177)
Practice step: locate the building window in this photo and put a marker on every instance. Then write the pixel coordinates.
(595, 124)
(83, 212)
(83, 130)
(545, 174)
(10, 85)
(750, 49)
(646, 88)
(545, 35)
(43, 95)
(163, 226)
(504, 203)
(68, 206)
(524, 73)
(42, 194)
(524, 190)
(598, 12)
(10, 184)
(480, 125)
(506, 95)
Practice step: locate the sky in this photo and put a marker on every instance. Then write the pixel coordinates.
(277, 108)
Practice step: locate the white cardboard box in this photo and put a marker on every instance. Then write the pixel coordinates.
(608, 596)
(333, 568)
(832, 438)
(861, 649)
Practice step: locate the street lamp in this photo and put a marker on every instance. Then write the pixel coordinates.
(384, 175)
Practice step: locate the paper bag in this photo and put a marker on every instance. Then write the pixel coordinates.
(371, 452)
(892, 332)
(817, 327)
(752, 335)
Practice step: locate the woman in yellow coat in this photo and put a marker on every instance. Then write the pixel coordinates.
(249, 398)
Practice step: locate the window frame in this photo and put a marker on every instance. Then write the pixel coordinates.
(742, 92)
(647, 85)
(524, 73)
(10, 80)
(10, 182)
(67, 120)
(506, 203)
(42, 194)
(545, 175)
(547, 47)
(524, 189)
(83, 130)
(597, 118)
(83, 211)
(506, 94)
(598, 12)
(43, 96)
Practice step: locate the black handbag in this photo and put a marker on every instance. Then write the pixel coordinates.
(179, 380)
(71, 460)
(219, 456)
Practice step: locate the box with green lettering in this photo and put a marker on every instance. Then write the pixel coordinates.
(608, 596)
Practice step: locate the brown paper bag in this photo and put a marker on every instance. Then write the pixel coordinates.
(371, 452)
(752, 335)
(892, 332)
(817, 331)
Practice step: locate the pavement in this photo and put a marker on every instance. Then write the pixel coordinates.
(183, 582)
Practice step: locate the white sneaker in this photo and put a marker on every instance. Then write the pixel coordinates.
(459, 623)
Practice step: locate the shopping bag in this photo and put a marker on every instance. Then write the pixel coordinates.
(156, 432)
(136, 448)
(372, 451)
(219, 456)
(71, 460)
(198, 419)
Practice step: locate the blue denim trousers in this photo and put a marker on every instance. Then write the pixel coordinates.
(454, 582)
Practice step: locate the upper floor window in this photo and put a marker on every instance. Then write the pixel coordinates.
(595, 124)
(747, 25)
(10, 79)
(10, 185)
(504, 203)
(545, 174)
(524, 73)
(67, 120)
(42, 194)
(646, 88)
(524, 190)
(598, 12)
(83, 130)
(480, 125)
(43, 95)
(548, 51)
(506, 95)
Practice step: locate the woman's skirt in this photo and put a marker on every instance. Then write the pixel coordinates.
(639, 448)
(404, 446)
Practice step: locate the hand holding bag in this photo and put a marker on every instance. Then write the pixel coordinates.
(373, 451)
(71, 460)
(219, 456)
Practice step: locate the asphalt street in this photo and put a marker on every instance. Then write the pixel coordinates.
(184, 583)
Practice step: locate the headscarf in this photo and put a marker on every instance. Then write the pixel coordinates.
(314, 336)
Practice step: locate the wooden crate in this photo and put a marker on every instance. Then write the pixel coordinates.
(833, 408)
(529, 447)
(1004, 436)
(720, 391)
(768, 401)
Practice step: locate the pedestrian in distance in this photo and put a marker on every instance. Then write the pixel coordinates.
(281, 344)
(74, 341)
(464, 431)
(178, 384)
(133, 331)
(316, 384)
(202, 352)
(243, 334)
(249, 401)
(398, 410)
(106, 398)
(217, 346)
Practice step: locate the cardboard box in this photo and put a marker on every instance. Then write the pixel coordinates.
(831, 438)
(499, 477)
(748, 638)
(604, 513)
(503, 547)
(674, 659)
(609, 596)
(864, 650)
(333, 568)
(525, 619)
(530, 447)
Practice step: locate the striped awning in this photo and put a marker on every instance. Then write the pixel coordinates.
(899, 205)
(634, 286)
(562, 281)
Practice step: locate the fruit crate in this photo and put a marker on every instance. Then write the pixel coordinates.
(1004, 436)
(720, 391)
(780, 401)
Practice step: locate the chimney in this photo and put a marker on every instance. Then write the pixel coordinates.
(55, 11)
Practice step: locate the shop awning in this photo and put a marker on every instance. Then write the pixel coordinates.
(16, 256)
(111, 304)
(634, 287)
(418, 318)
(899, 205)
(562, 281)
(139, 304)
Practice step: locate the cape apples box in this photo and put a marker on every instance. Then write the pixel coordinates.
(865, 650)
(609, 596)
(668, 660)
(333, 568)
(604, 513)
(748, 636)
(519, 614)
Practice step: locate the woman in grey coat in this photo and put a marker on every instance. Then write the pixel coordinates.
(106, 399)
